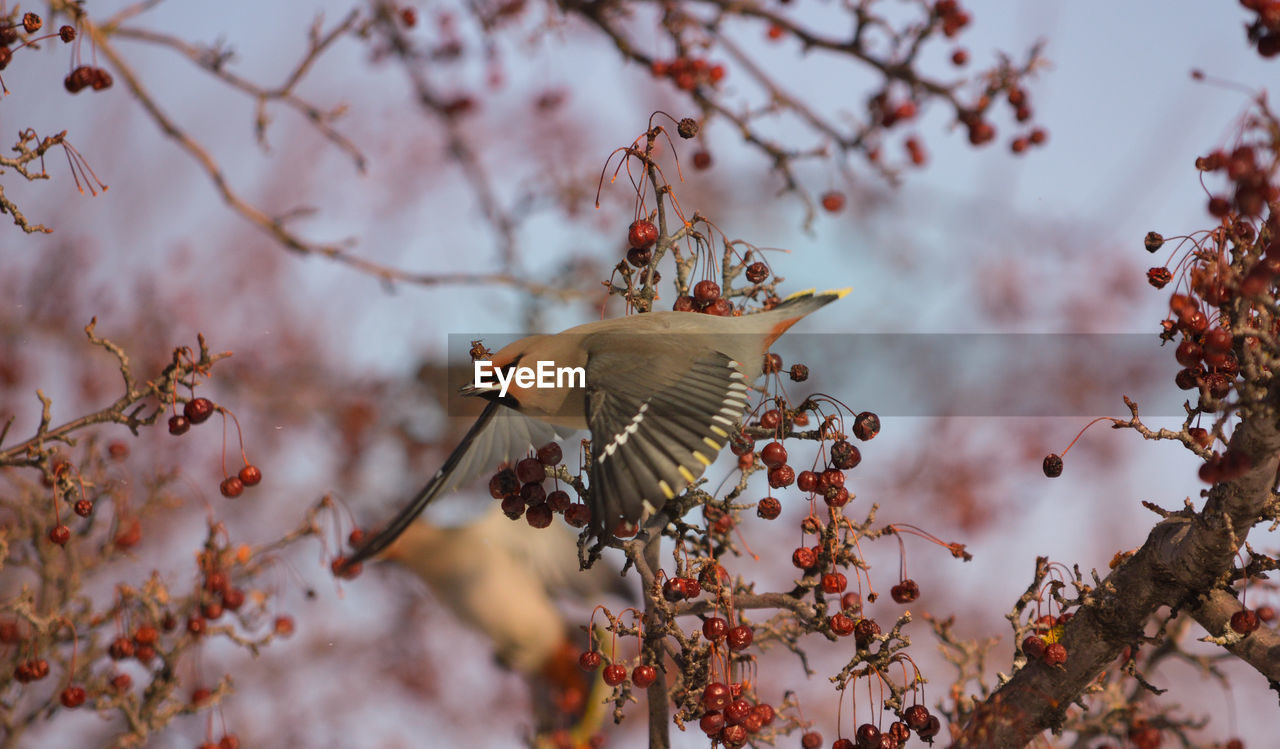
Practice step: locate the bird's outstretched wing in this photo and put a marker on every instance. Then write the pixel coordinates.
(499, 435)
(655, 426)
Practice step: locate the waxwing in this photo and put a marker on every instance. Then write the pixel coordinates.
(661, 395)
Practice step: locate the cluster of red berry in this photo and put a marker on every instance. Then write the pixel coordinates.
(688, 72)
(86, 76)
(867, 736)
(1264, 31)
(1251, 182)
(1045, 646)
(523, 495)
(197, 411)
(30, 23)
(953, 17)
(217, 595)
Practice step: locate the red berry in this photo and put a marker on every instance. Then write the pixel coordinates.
(639, 257)
(60, 534)
(559, 500)
(734, 736)
(807, 481)
(198, 410)
(716, 696)
(539, 515)
(931, 730)
(341, 569)
(73, 696)
(615, 674)
(673, 589)
(959, 57)
(250, 475)
(231, 487)
(771, 419)
(773, 454)
(577, 515)
(842, 744)
(834, 583)
(916, 717)
(503, 484)
(832, 477)
(851, 601)
(1055, 654)
(644, 675)
(530, 471)
(811, 740)
(715, 628)
(178, 424)
(550, 454)
(590, 660)
(701, 160)
(803, 558)
(1033, 646)
(1188, 353)
(233, 598)
(905, 591)
(768, 508)
(781, 476)
(765, 713)
(841, 624)
(845, 456)
(712, 722)
(685, 304)
(642, 233)
(737, 711)
(513, 506)
(868, 736)
(740, 637)
(757, 272)
(1244, 621)
(706, 292)
(833, 201)
(864, 631)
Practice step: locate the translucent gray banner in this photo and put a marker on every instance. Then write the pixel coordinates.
(1037, 375)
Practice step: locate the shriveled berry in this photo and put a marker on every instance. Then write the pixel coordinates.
(559, 500)
(803, 558)
(734, 736)
(757, 272)
(67, 34)
(589, 660)
(530, 470)
(781, 476)
(178, 424)
(198, 410)
(834, 583)
(639, 257)
(768, 508)
(842, 624)
(1153, 241)
(845, 455)
(685, 304)
(866, 426)
(539, 515)
(504, 484)
(533, 494)
(737, 711)
(705, 292)
(513, 506)
(864, 631)
(1055, 654)
(905, 591)
(1052, 465)
(577, 515)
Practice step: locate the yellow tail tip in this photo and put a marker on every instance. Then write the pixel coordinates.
(838, 293)
(841, 293)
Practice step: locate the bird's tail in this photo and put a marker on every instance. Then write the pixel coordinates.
(792, 309)
(805, 302)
